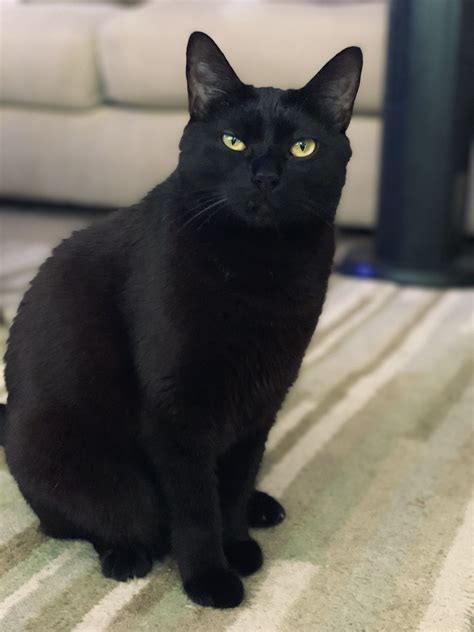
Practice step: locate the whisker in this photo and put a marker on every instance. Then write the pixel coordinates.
(200, 204)
(201, 194)
(208, 219)
(187, 211)
(201, 212)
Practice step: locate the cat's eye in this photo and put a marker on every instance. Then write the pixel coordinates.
(234, 143)
(303, 148)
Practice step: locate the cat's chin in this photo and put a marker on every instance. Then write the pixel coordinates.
(260, 214)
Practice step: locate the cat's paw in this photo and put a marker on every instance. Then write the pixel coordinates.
(125, 562)
(264, 511)
(218, 588)
(244, 556)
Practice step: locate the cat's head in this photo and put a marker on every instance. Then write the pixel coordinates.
(265, 156)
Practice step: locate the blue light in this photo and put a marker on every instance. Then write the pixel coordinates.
(364, 270)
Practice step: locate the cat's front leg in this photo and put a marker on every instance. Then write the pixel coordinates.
(186, 467)
(237, 471)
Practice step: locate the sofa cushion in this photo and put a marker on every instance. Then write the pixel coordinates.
(48, 54)
(86, 162)
(142, 51)
(104, 156)
(81, 1)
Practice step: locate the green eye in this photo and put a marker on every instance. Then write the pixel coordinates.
(303, 148)
(234, 143)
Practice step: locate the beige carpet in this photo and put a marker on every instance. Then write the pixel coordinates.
(372, 457)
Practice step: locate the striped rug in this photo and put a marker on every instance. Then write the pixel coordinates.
(372, 457)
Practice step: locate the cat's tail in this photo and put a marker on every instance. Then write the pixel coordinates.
(3, 423)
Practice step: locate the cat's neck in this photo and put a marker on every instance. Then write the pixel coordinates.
(259, 258)
(232, 249)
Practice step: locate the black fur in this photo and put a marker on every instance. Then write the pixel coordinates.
(3, 423)
(153, 350)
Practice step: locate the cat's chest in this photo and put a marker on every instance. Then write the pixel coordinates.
(236, 310)
(233, 343)
(250, 346)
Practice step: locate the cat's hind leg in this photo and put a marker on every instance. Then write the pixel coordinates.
(264, 511)
(124, 561)
(54, 525)
(120, 560)
(99, 492)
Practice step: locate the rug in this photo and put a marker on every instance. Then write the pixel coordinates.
(372, 457)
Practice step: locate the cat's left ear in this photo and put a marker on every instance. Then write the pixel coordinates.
(333, 90)
(209, 74)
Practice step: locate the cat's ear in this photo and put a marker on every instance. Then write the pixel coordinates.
(333, 90)
(209, 74)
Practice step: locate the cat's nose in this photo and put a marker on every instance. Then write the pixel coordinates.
(265, 180)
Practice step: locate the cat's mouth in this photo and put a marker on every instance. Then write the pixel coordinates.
(260, 212)
(260, 206)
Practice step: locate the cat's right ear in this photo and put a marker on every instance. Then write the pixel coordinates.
(209, 74)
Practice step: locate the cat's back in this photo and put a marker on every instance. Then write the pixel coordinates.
(72, 397)
(72, 304)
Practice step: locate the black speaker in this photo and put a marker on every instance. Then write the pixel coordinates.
(428, 128)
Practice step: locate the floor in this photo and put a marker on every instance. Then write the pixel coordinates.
(372, 457)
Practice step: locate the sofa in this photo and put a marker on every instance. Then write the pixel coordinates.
(93, 95)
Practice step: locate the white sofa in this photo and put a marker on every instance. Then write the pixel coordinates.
(93, 96)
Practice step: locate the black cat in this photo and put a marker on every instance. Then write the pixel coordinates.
(153, 350)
